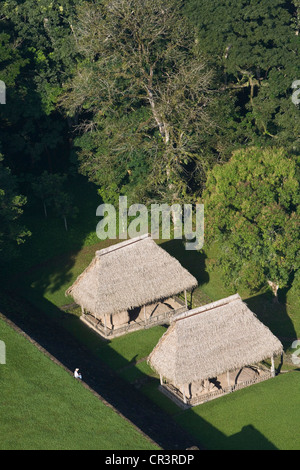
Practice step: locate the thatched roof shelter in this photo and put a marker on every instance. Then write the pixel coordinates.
(128, 275)
(209, 341)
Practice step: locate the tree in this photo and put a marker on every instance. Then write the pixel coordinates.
(49, 188)
(45, 31)
(36, 55)
(296, 16)
(46, 186)
(252, 212)
(143, 92)
(64, 207)
(12, 232)
(11, 61)
(254, 46)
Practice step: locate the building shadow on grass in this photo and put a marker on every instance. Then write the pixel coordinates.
(249, 438)
(274, 315)
(193, 261)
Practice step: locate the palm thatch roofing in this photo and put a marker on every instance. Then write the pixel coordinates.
(212, 340)
(128, 275)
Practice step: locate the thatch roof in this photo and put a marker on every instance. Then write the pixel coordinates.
(211, 340)
(127, 275)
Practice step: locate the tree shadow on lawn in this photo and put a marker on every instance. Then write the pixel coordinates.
(160, 418)
(74, 344)
(50, 242)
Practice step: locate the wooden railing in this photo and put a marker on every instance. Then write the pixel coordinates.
(176, 395)
(160, 319)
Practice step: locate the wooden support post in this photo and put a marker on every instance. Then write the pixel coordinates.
(161, 379)
(185, 297)
(145, 319)
(82, 310)
(228, 379)
(183, 394)
(273, 367)
(105, 325)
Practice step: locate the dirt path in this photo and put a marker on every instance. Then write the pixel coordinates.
(112, 389)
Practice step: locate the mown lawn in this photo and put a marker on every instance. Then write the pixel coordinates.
(261, 417)
(43, 407)
(53, 259)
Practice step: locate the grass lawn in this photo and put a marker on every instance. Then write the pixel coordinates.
(262, 416)
(43, 407)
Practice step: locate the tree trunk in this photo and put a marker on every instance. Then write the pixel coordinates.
(49, 160)
(66, 225)
(45, 210)
(163, 129)
(274, 288)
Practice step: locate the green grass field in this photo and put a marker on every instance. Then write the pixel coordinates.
(43, 407)
(262, 416)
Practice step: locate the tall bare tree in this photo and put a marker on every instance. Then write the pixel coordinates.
(141, 83)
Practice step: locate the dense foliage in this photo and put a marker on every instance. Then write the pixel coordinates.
(252, 206)
(254, 45)
(12, 233)
(37, 44)
(145, 92)
(150, 99)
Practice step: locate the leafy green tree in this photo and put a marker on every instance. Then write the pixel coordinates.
(64, 207)
(12, 233)
(45, 30)
(11, 61)
(50, 189)
(296, 16)
(252, 212)
(143, 93)
(254, 45)
(38, 36)
(46, 187)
